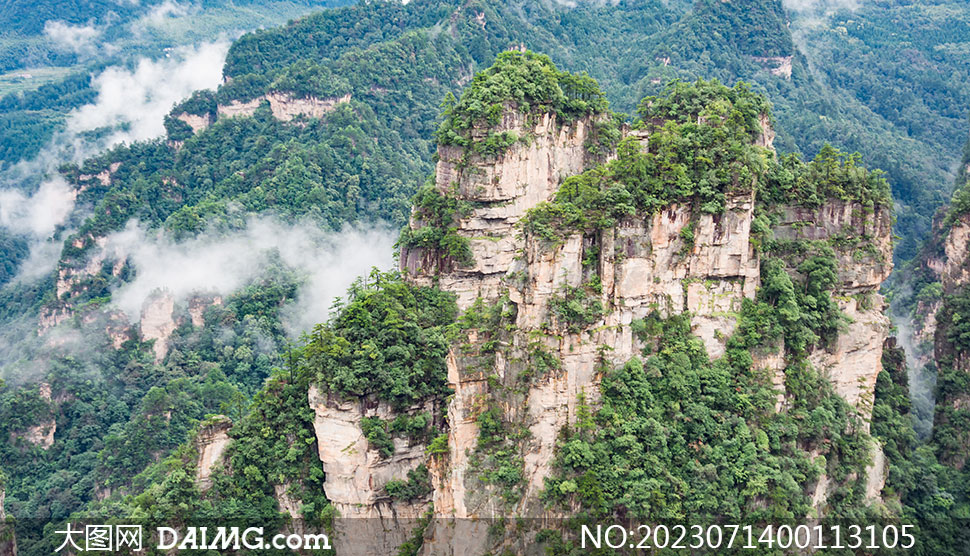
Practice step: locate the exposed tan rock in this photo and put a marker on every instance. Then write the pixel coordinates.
(158, 322)
(855, 360)
(104, 176)
(863, 266)
(51, 317)
(197, 306)
(356, 474)
(924, 333)
(8, 534)
(195, 121)
(42, 434)
(772, 361)
(780, 66)
(956, 272)
(210, 442)
(644, 265)
(876, 474)
(284, 106)
(238, 108)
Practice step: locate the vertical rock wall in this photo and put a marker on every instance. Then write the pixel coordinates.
(644, 265)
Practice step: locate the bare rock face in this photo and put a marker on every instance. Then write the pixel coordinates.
(955, 271)
(197, 306)
(41, 434)
(780, 66)
(211, 441)
(866, 259)
(158, 322)
(505, 187)
(855, 361)
(357, 472)
(239, 108)
(103, 177)
(864, 262)
(195, 121)
(284, 106)
(8, 537)
(644, 265)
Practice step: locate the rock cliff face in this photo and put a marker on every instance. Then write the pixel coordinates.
(158, 322)
(8, 537)
(949, 267)
(644, 265)
(211, 440)
(954, 272)
(780, 66)
(864, 262)
(284, 106)
(41, 434)
(357, 472)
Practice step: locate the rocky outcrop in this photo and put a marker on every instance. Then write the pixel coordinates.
(676, 260)
(158, 322)
(780, 66)
(861, 237)
(197, 306)
(41, 434)
(644, 265)
(160, 316)
(239, 108)
(285, 107)
(71, 278)
(955, 272)
(947, 269)
(195, 121)
(103, 177)
(210, 442)
(357, 472)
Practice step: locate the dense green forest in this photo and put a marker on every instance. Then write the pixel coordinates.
(898, 99)
(126, 423)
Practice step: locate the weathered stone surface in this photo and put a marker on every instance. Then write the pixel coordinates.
(158, 322)
(956, 271)
(40, 434)
(210, 442)
(195, 121)
(284, 106)
(356, 474)
(780, 66)
(855, 360)
(643, 265)
(867, 261)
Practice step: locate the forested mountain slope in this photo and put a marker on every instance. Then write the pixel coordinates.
(336, 119)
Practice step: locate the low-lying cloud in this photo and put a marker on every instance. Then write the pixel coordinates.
(39, 214)
(820, 6)
(161, 15)
(134, 102)
(80, 39)
(131, 104)
(223, 263)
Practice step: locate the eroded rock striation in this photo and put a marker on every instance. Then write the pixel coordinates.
(675, 260)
